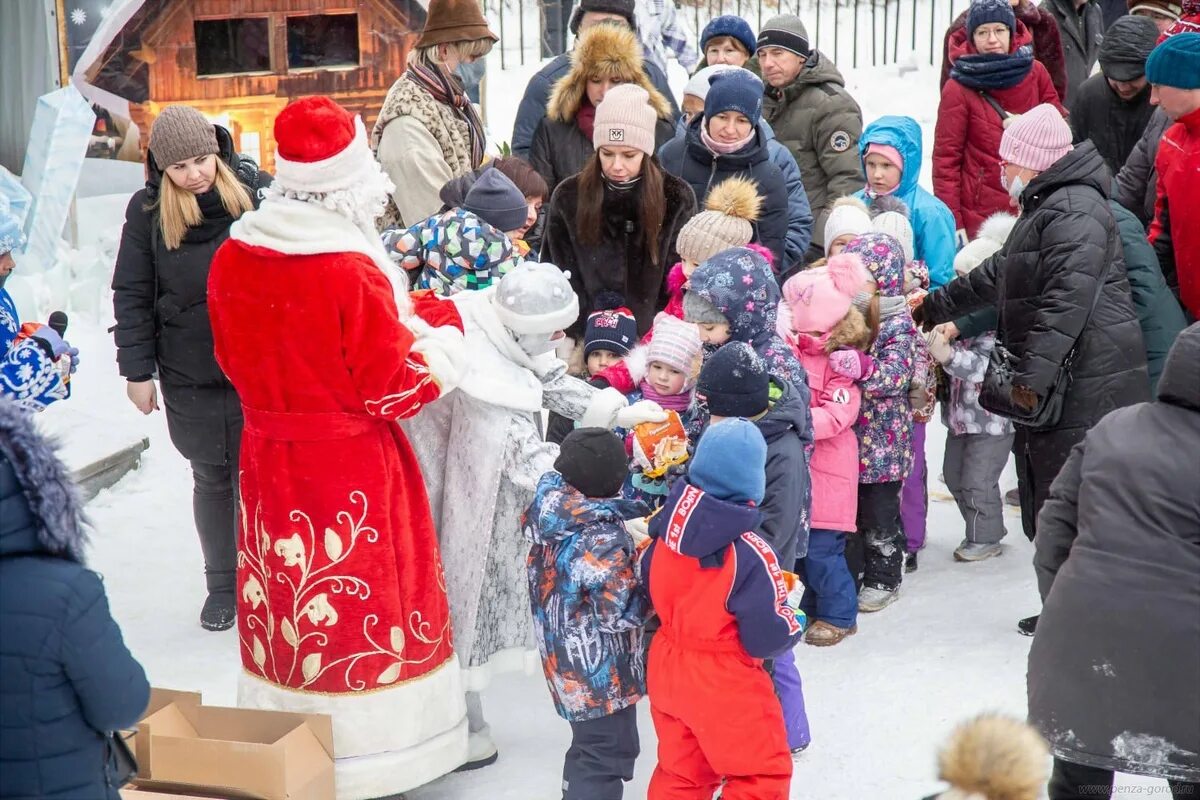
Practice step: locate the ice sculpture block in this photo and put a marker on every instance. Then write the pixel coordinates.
(18, 196)
(58, 144)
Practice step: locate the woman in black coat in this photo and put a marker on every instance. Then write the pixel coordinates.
(1114, 671)
(606, 56)
(66, 674)
(197, 187)
(1064, 249)
(726, 142)
(613, 226)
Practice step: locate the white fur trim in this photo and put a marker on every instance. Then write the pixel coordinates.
(602, 411)
(386, 741)
(638, 363)
(336, 172)
(500, 372)
(444, 350)
(300, 228)
(512, 659)
(539, 323)
(997, 227)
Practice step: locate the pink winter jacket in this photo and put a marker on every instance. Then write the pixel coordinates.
(835, 404)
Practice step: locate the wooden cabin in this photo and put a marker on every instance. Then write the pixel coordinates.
(241, 61)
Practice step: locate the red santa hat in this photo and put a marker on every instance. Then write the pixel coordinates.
(320, 147)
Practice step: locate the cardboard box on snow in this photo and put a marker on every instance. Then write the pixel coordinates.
(138, 794)
(185, 747)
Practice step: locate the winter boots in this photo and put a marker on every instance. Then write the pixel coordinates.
(977, 551)
(874, 598)
(823, 634)
(219, 612)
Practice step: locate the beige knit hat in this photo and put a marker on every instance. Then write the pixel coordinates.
(625, 118)
(180, 133)
(728, 218)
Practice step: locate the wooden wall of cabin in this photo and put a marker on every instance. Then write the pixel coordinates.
(252, 101)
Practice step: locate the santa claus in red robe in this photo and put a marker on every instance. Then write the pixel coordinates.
(341, 599)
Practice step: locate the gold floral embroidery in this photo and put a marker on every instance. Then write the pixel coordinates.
(315, 591)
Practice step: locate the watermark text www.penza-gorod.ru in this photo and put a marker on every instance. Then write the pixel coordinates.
(1122, 792)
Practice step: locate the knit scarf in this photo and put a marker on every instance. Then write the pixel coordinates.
(448, 91)
(623, 186)
(723, 148)
(585, 119)
(670, 402)
(982, 71)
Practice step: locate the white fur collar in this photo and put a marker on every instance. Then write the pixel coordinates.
(500, 372)
(299, 228)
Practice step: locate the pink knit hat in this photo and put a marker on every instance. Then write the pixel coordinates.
(625, 118)
(677, 344)
(820, 297)
(1036, 139)
(888, 152)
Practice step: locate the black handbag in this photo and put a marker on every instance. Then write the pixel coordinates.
(120, 764)
(995, 393)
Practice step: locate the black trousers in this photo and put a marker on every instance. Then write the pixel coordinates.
(601, 757)
(214, 508)
(1040, 455)
(882, 535)
(1076, 782)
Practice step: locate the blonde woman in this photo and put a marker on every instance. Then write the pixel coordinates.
(428, 132)
(196, 187)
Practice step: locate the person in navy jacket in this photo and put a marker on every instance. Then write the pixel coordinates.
(66, 677)
(721, 597)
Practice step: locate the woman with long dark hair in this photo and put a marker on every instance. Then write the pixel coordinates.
(197, 186)
(613, 226)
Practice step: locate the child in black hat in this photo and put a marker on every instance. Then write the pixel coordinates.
(589, 609)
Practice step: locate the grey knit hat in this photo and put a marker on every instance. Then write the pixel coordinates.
(785, 31)
(497, 201)
(698, 310)
(180, 133)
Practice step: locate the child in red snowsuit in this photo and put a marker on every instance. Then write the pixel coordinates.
(721, 597)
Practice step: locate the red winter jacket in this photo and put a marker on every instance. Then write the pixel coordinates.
(1047, 43)
(1174, 231)
(966, 141)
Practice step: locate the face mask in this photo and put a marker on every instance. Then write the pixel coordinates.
(535, 344)
(1015, 188)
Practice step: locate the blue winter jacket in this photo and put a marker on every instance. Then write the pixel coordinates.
(66, 677)
(932, 221)
(588, 607)
(799, 213)
(537, 94)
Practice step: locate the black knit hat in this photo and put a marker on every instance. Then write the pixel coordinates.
(734, 382)
(1126, 46)
(622, 7)
(593, 460)
(497, 201)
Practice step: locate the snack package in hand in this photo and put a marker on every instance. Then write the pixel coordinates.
(795, 592)
(658, 446)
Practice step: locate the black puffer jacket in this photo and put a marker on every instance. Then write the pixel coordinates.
(1112, 124)
(619, 262)
(1114, 668)
(1043, 281)
(1136, 185)
(160, 300)
(686, 157)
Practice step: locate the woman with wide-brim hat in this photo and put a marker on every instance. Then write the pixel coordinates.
(427, 131)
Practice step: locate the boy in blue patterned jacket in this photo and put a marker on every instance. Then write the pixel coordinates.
(589, 609)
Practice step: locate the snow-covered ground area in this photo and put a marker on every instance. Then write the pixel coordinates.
(879, 704)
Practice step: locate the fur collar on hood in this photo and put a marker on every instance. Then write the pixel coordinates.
(51, 495)
(607, 51)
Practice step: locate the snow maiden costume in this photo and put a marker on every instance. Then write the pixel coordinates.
(342, 605)
(482, 456)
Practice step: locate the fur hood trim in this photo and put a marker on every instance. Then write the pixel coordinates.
(852, 332)
(994, 757)
(997, 228)
(993, 233)
(52, 496)
(605, 51)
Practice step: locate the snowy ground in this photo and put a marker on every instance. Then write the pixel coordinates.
(879, 704)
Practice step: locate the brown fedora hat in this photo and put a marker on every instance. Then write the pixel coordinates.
(454, 21)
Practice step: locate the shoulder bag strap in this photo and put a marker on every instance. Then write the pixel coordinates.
(991, 101)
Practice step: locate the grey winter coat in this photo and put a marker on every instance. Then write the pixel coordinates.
(820, 123)
(1081, 32)
(1043, 281)
(785, 512)
(1136, 185)
(66, 677)
(1115, 666)
(537, 95)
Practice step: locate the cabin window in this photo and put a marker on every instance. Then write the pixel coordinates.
(232, 46)
(320, 41)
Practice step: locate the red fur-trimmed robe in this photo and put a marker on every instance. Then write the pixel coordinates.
(341, 598)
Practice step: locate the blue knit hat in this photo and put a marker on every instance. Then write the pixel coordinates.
(985, 11)
(735, 90)
(733, 27)
(731, 462)
(1176, 62)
